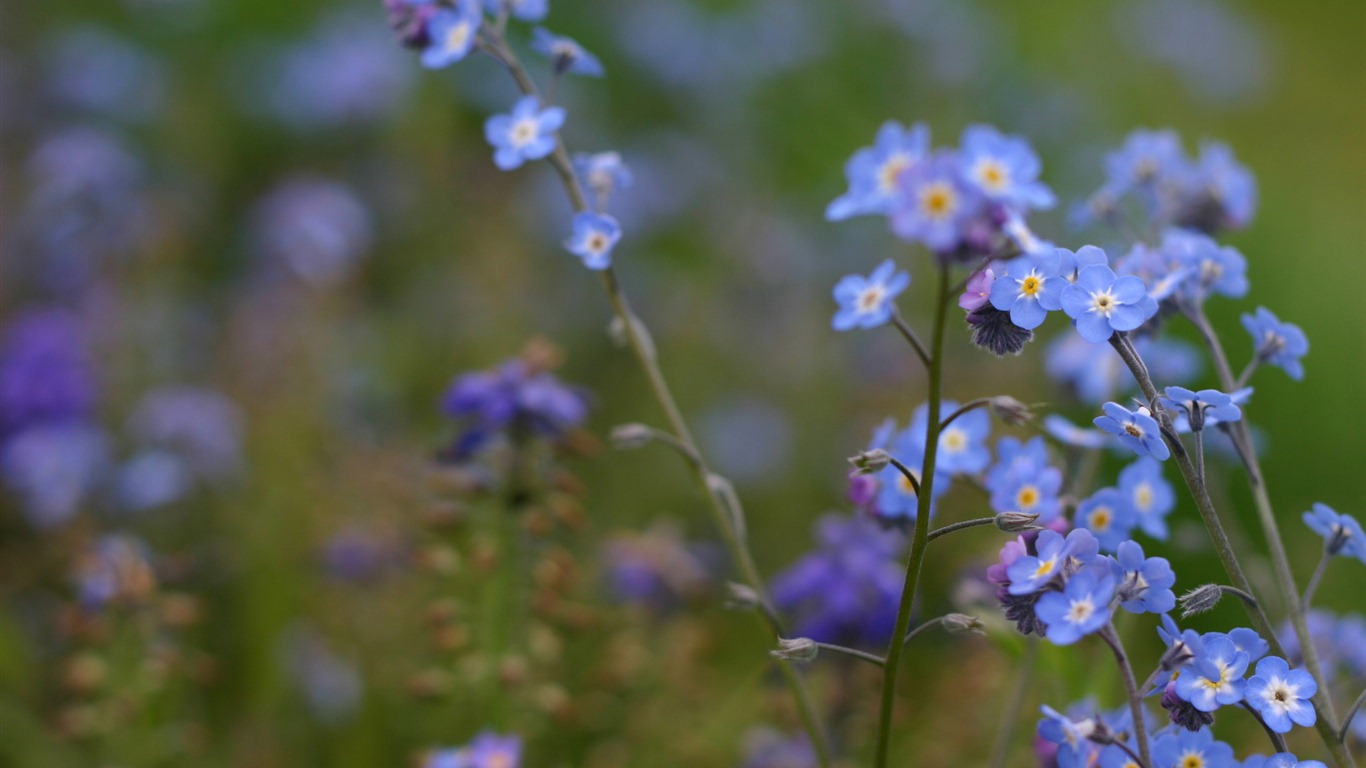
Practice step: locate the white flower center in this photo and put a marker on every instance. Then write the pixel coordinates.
(524, 132)
(889, 171)
(596, 243)
(954, 440)
(1143, 497)
(1081, 610)
(871, 298)
(458, 36)
(1280, 695)
(1103, 302)
(991, 174)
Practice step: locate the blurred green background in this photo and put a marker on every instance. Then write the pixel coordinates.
(738, 118)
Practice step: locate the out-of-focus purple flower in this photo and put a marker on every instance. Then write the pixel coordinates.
(847, 590)
(152, 479)
(46, 375)
(114, 569)
(514, 396)
(330, 683)
(452, 33)
(92, 70)
(201, 426)
(770, 748)
(656, 567)
(316, 228)
(358, 555)
(54, 469)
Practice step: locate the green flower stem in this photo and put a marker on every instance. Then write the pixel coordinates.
(909, 334)
(914, 633)
(726, 513)
(946, 530)
(1135, 696)
(853, 653)
(1314, 580)
(1349, 714)
(1285, 578)
(920, 538)
(1327, 725)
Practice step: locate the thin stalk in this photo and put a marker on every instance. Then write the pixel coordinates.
(853, 652)
(1200, 455)
(970, 405)
(1349, 714)
(937, 620)
(1111, 638)
(1327, 723)
(1128, 750)
(638, 339)
(1011, 714)
(946, 530)
(1314, 580)
(906, 473)
(1277, 740)
(909, 334)
(920, 538)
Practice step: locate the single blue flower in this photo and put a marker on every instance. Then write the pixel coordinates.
(1282, 695)
(1056, 557)
(867, 302)
(1205, 266)
(934, 204)
(1227, 183)
(873, 171)
(1022, 480)
(524, 10)
(1182, 648)
(1137, 430)
(514, 395)
(1071, 736)
(489, 750)
(1003, 168)
(1081, 608)
(1215, 676)
(1149, 495)
(1145, 584)
(1070, 263)
(1064, 431)
(1280, 344)
(1102, 303)
(55, 470)
(595, 234)
(1148, 159)
(602, 173)
(565, 55)
(1192, 749)
(1208, 406)
(451, 34)
(1030, 288)
(1231, 411)
(526, 133)
(962, 445)
(1341, 534)
(1106, 514)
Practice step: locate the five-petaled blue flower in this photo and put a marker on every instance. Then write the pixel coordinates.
(1106, 515)
(873, 171)
(1030, 288)
(1003, 168)
(1282, 694)
(1208, 406)
(565, 55)
(934, 203)
(526, 133)
(1137, 430)
(1197, 749)
(1149, 495)
(1022, 480)
(602, 173)
(1280, 344)
(962, 444)
(1102, 303)
(1341, 533)
(1056, 557)
(866, 302)
(595, 234)
(1082, 607)
(1215, 676)
(1145, 584)
(451, 34)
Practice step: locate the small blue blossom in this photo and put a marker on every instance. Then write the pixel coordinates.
(934, 204)
(1228, 184)
(1148, 159)
(1102, 303)
(1205, 266)
(55, 470)
(873, 171)
(1070, 263)
(962, 445)
(526, 133)
(1245, 640)
(602, 173)
(1280, 344)
(565, 55)
(1022, 480)
(1182, 748)
(1064, 431)
(1003, 168)
(1137, 430)
(1108, 517)
(524, 10)
(1341, 534)
(1208, 406)
(1149, 495)
(1071, 736)
(594, 237)
(1145, 584)
(489, 750)
(1215, 676)
(1282, 695)
(867, 302)
(1030, 288)
(451, 34)
(1056, 557)
(513, 396)
(1081, 608)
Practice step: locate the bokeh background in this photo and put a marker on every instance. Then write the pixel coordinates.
(273, 205)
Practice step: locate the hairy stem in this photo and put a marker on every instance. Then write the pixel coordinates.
(1111, 638)
(922, 527)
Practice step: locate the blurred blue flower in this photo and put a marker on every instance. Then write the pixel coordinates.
(1082, 607)
(46, 374)
(594, 237)
(489, 750)
(1071, 736)
(1101, 303)
(451, 33)
(566, 55)
(1207, 267)
(656, 568)
(873, 171)
(151, 479)
(1003, 168)
(54, 469)
(1231, 187)
(1107, 515)
(868, 302)
(201, 426)
(1280, 344)
(1282, 695)
(1341, 533)
(602, 173)
(1149, 495)
(933, 205)
(330, 683)
(769, 748)
(1194, 747)
(1063, 430)
(1022, 480)
(525, 133)
(1137, 430)
(358, 555)
(315, 228)
(92, 70)
(962, 445)
(523, 10)
(513, 396)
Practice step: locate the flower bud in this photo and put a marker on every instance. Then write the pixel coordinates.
(1017, 522)
(1200, 600)
(795, 649)
(959, 623)
(870, 462)
(1010, 411)
(630, 436)
(741, 597)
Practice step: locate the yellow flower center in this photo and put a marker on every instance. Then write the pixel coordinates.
(1133, 430)
(1190, 760)
(1100, 518)
(1027, 497)
(903, 483)
(1143, 497)
(890, 170)
(1031, 285)
(938, 200)
(954, 440)
(992, 175)
(1045, 568)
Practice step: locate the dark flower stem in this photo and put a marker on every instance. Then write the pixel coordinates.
(1277, 740)
(946, 530)
(906, 473)
(920, 538)
(1111, 638)
(909, 334)
(914, 633)
(1010, 715)
(970, 405)
(1327, 723)
(1128, 750)
(641, 344)
(1314, 580)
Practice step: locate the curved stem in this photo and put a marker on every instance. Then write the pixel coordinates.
(1128, 750)
(642, 346)
(853, 652)
(924, 626)
(1011, 714)
(946, 530)
(909, 334)
(1350, 713)
(906, 473)
(1314, 580)
(1111, 638)
(970, 405)
(922, 528)
(1327, 723)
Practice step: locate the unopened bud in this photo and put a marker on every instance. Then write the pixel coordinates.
(741, 597)
(1200, 600)
(1017, 522)
(1010, 411)
(795, 649)
(630, 436)
(958, 623)
(869, 462)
